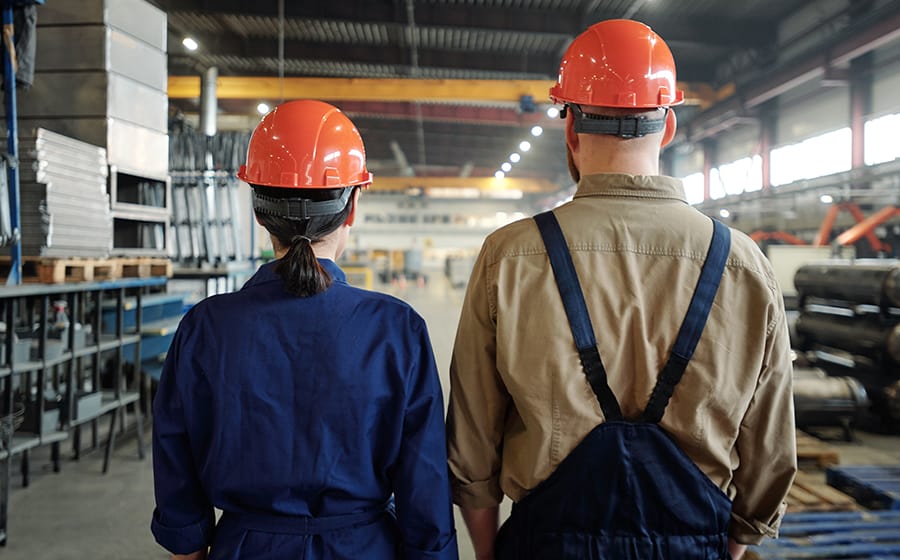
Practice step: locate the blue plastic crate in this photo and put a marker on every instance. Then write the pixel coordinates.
(874, 486)
(870, 535)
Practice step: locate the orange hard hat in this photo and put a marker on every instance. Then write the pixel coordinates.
(618, 63)
(306, 144)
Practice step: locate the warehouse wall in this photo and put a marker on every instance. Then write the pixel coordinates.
(737, 143)
(886, 82)
(811, 110)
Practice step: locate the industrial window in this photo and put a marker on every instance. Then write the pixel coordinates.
(814, 157)
(737, 177)
(882, 139)
(693, 188)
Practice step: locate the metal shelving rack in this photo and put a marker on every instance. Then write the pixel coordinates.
(71, 368)
(141, 210)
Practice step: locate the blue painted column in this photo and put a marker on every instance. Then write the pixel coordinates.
(12, 142)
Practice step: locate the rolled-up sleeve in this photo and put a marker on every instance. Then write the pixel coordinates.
(478, 398)
(422, 488)
(766, 445)
(183, 520)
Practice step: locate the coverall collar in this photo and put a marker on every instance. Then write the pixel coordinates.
(637, 186)
(266, 273)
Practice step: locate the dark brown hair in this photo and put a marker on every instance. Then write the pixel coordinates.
(302, 274)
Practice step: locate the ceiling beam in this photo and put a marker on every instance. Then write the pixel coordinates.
(524, 184)
(392, 89)
(459, 114)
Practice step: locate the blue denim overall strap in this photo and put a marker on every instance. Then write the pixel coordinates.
(576, 311)
(694, 322)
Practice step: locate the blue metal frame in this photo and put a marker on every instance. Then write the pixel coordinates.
(12, 143)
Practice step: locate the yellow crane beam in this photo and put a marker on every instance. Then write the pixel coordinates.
(483, 184)
(394, 89)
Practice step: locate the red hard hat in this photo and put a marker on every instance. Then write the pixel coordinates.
(306, 144)
(618, 63)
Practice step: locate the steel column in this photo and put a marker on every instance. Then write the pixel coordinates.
(709, 156)
(208, 101)
(860, 107)
(12, 141)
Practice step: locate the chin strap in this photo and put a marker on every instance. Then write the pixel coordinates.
(623, 127)
(300, 209)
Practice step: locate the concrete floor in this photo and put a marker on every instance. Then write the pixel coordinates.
(80, 513)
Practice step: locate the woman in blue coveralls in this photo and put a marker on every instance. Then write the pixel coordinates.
(307, 410)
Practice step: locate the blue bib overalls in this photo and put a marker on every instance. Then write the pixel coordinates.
(626, 491)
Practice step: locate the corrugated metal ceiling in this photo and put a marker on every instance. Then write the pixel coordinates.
(376, 34)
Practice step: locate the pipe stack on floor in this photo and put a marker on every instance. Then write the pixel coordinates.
(850, 317)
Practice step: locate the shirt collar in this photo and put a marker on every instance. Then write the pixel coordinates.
(637, 186)
(266, 273)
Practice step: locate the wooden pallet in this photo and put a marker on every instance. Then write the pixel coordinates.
(144, 267)
(812, 450)
(44, 270)
(810, 494)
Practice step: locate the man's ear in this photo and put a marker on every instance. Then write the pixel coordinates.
(354, 200)
(671, 127)
(571, 135)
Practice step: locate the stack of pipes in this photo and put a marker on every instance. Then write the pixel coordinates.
(850, 321)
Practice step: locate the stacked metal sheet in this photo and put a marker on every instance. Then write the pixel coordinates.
(64, 204)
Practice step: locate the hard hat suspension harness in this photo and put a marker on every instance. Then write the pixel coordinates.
(623, 127)
(300, 209)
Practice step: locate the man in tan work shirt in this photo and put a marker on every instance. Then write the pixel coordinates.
(519, 402)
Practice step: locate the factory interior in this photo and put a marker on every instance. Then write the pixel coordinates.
(121, 208)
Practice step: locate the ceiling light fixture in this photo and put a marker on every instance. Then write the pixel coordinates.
(499, 174)
(262, 108)
(524, 145)
(189, 43)
(724, 213)
(826, 199)
(536, 130)
(514, 157)
(552, 112)
(506, 166)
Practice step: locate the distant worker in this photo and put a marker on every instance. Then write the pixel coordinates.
(309, 411)
(610, 347)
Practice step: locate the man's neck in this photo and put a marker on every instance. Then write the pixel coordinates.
(629, 166)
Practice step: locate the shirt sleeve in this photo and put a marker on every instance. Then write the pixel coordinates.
(478, 399)
(766, 444)
(183, 520)
(422, 488)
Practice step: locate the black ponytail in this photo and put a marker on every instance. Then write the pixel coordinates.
(302, 274)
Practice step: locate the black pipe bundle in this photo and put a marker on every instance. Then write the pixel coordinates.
(875, 282)
(820, 400)
(869, 336)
